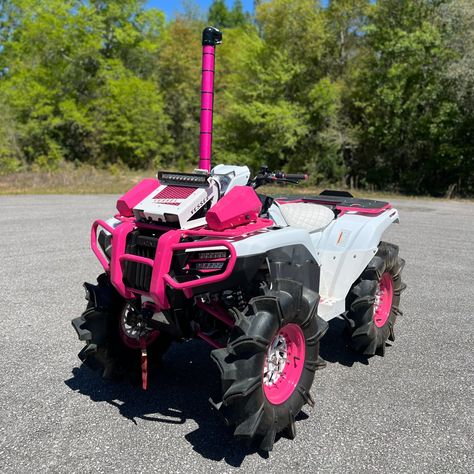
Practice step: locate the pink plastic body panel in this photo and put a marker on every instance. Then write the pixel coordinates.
(363, 210)
(259, 224)
(133, 196)
(207, 104)
(239, 206)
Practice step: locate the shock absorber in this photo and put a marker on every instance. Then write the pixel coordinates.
(239, 300)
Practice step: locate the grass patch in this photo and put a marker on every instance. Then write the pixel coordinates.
(90, 180)
(82, 180)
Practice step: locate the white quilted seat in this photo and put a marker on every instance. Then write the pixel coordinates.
(306, 215)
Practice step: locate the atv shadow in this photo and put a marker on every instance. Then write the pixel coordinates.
(335, 346)
(177, 392)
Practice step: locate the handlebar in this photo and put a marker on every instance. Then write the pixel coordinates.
(265, 177)
(294, 176)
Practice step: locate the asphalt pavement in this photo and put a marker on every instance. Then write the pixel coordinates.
(411, 411)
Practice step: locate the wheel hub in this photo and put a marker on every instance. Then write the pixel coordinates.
(133, 330)
(383, 300)
(284, 361)
(277, 358)
(131, 327)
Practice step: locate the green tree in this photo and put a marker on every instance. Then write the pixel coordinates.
(404, 112)
(280, 108)
(191, 12)
(237, 16)
(219, 15)
(179, 77)
(131, 125)
(257, 125)
(63, 62)
(346, 20)
(456, 18)
(10, 153)
(379, 94)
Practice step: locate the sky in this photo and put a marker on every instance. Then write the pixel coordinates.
(170, 7)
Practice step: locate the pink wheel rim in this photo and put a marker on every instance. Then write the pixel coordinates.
(383, 300)
(284, 363)
(132, 338)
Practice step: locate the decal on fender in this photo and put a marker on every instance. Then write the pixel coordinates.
(343, 237)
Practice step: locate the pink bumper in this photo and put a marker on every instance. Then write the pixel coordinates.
(168, 243)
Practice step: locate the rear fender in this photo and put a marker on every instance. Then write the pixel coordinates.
(345, 248)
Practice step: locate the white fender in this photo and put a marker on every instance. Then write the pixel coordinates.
(273, 239)
(344, 249)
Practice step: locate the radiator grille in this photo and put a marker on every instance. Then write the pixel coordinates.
(137, 275)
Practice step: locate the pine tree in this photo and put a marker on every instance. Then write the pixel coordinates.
(237, 15)
(219, 15)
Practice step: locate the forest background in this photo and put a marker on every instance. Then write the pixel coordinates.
(359, 94)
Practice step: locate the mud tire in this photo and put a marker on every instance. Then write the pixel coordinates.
(244, 404)
(366, 336)
(105, 351)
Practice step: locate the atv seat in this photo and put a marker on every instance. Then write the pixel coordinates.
(306, 215)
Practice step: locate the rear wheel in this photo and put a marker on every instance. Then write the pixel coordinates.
(268, 367)
(113, 338)
(373, 302)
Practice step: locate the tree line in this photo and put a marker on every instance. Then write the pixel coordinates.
(376, 95)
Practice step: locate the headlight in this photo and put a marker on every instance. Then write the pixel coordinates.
(188, 265)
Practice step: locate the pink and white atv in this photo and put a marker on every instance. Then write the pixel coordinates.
(203, 255)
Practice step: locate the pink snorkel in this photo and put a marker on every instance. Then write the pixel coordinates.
(210, 38)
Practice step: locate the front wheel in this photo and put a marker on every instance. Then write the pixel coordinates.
(268, 367)
(113, 340)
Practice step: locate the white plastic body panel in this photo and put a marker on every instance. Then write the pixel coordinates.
(113, 222)
(176, 209)
(273, 239)
(274, 213)
(230, 176)
(343, 249)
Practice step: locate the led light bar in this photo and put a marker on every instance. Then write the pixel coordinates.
(213, 255)
(209, 265)
(193, 180)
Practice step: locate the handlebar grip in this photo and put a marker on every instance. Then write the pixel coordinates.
(295, 176)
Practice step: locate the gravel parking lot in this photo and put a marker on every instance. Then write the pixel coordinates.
(411, 411)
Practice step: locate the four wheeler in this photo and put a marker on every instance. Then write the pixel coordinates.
(203, 255)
